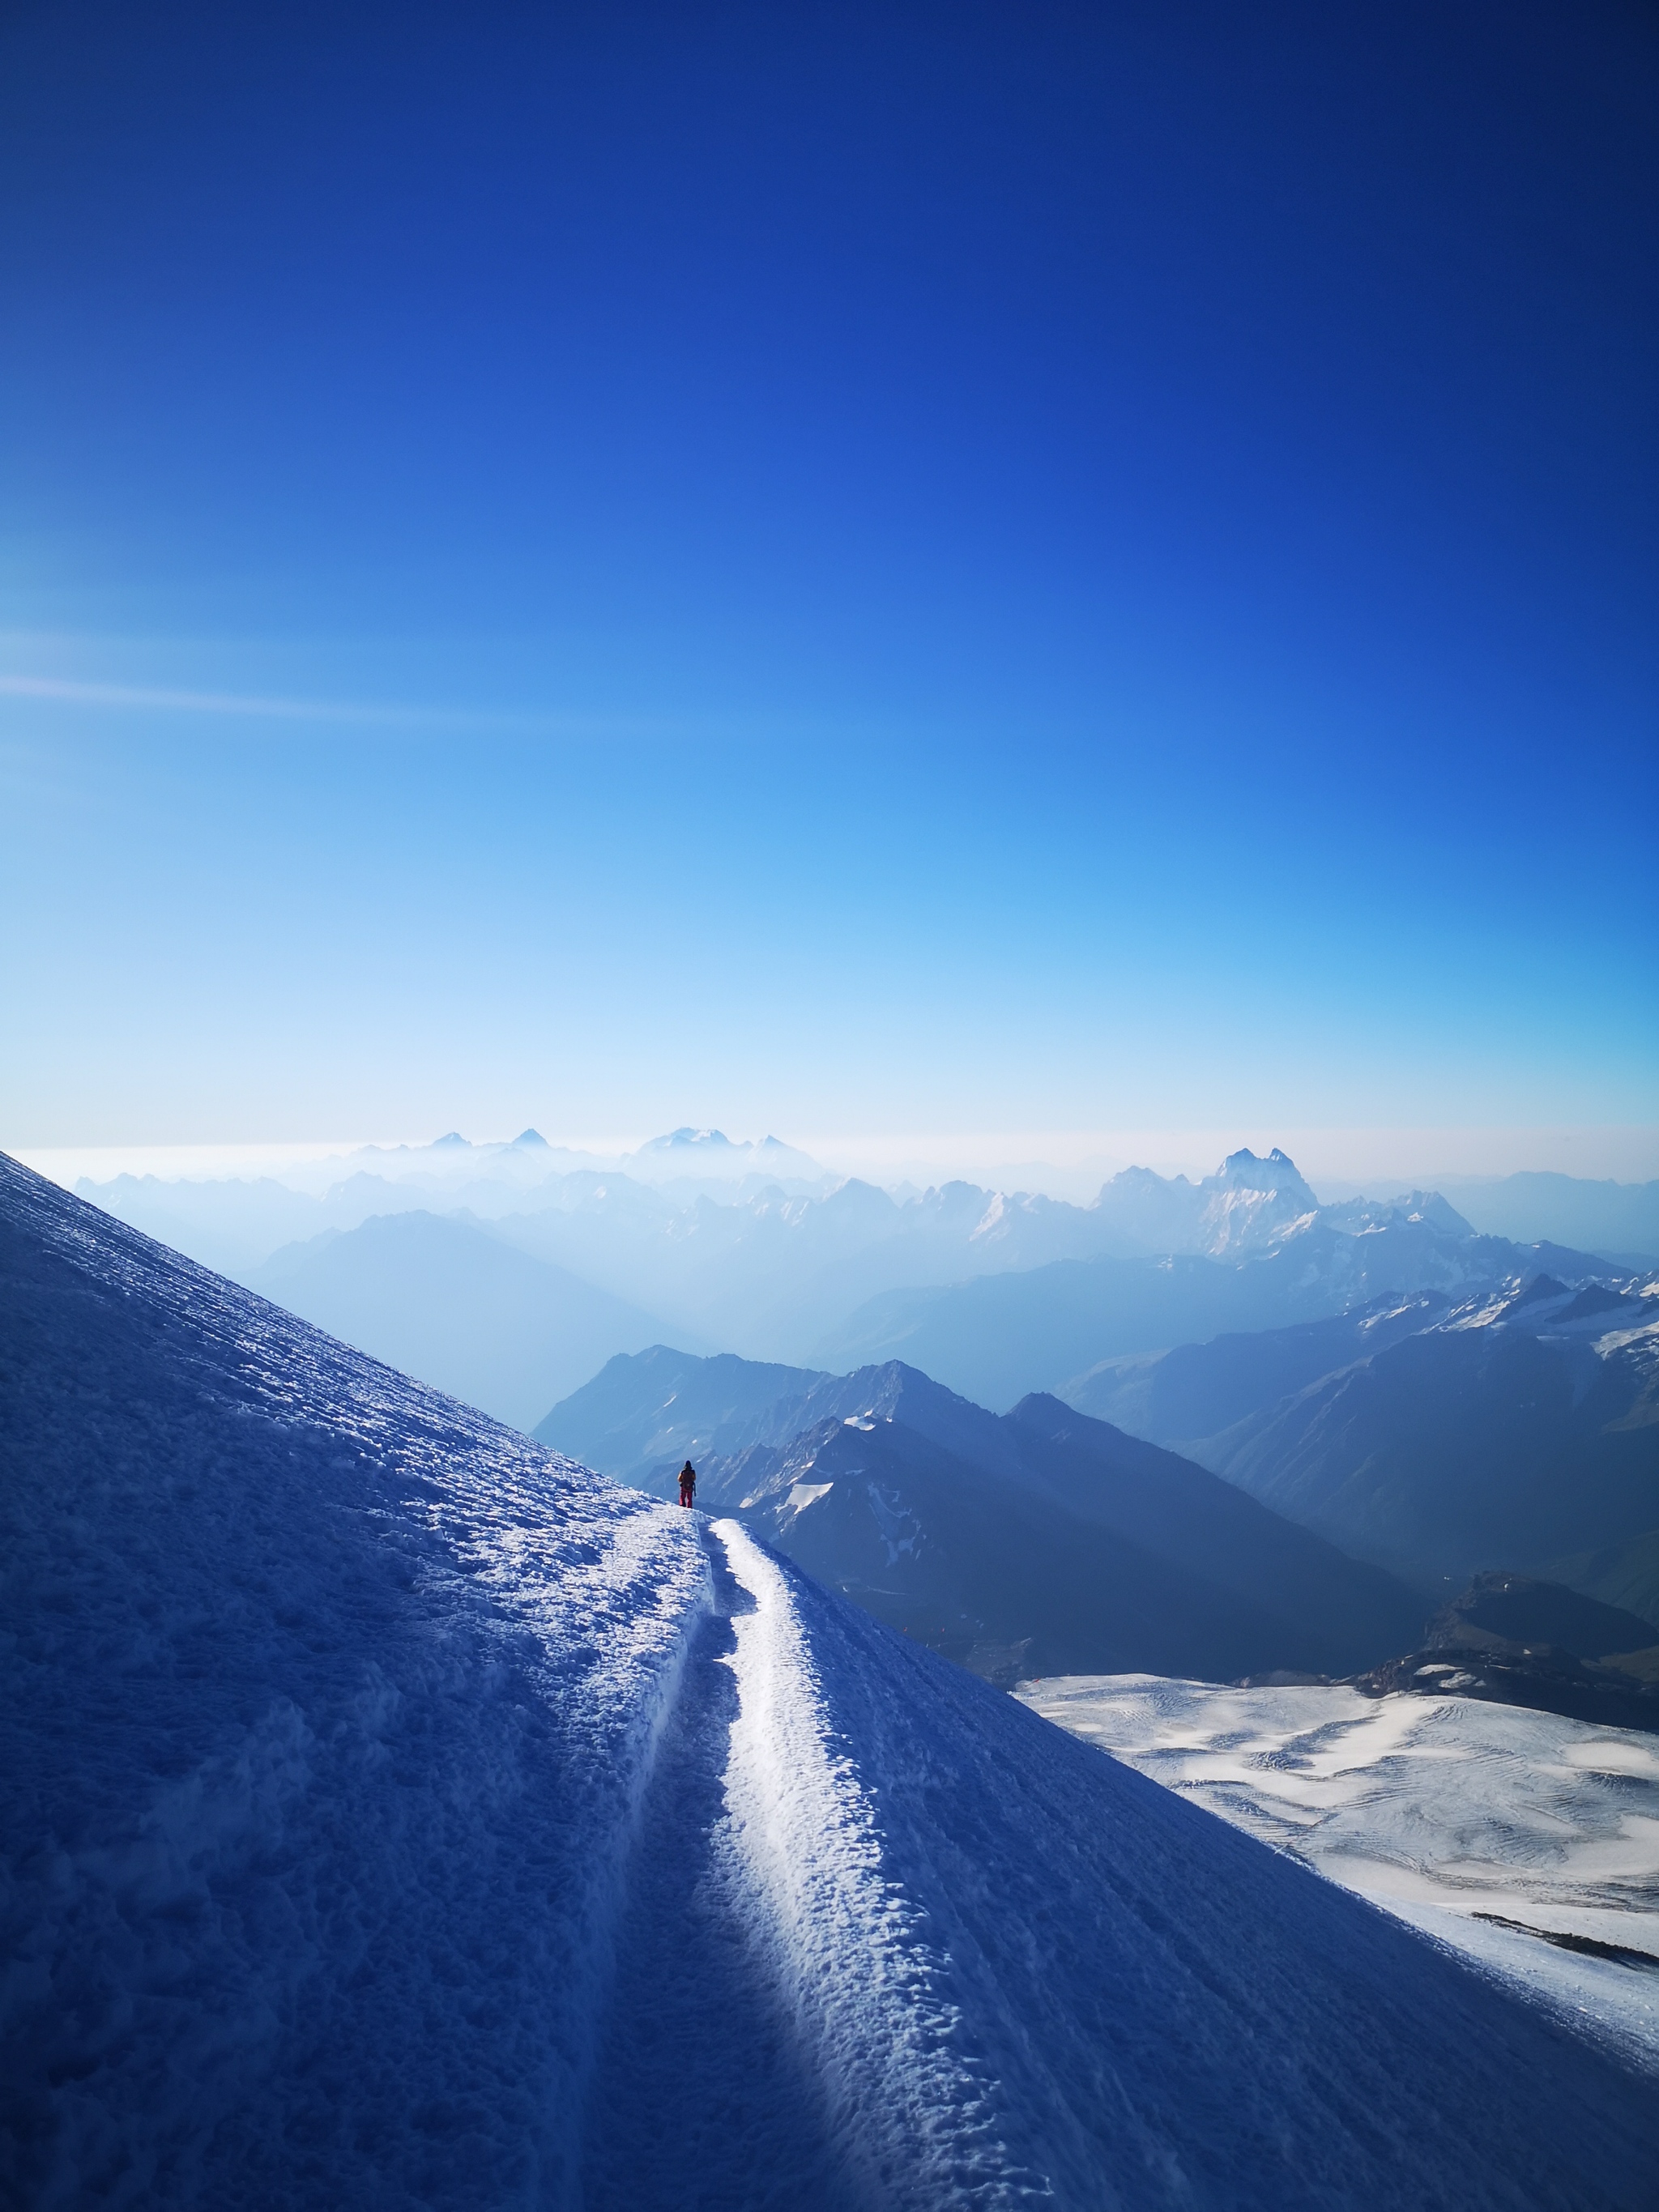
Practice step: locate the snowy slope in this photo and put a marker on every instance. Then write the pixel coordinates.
(396, 1814)
(1476, 1822)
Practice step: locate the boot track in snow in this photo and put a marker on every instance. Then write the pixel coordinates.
(776, 2034)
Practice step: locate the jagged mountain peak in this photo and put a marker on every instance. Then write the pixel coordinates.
(1244, 1162)
(1277, 1174)
(690, 1140)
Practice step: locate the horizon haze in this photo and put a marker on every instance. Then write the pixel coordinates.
(1070, 1165)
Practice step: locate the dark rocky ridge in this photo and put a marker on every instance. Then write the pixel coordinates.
(1520, 1641)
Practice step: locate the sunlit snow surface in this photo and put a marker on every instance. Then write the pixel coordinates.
(1440, 1809)
(396, 1815)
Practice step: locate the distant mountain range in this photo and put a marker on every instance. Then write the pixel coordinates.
(1035, 1543)
(1002, 1335)
(754, 1246)
(1619, 1219)
(1436, 1437)
(1425, 1398)
(811, 1278)
(546, 1260)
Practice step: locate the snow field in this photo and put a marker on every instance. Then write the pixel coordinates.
(328, 1711)
(1438, 1809)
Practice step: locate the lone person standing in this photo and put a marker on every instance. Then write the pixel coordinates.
(688, 1484)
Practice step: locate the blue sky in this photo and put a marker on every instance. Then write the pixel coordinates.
(896, 569)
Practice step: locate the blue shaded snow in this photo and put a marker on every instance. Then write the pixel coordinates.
(397, 1815)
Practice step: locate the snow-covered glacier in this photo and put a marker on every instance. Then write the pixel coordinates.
(395, 1814)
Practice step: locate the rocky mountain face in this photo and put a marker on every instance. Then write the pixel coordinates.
(1517, 1641)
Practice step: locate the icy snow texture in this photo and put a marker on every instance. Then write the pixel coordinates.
(396, 1814)
(1440, 1809)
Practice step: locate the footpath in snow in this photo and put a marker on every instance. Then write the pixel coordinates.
(397, 1815)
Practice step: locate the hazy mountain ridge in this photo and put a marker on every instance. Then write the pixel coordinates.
(1248, 1205)
(768, 1270)
(1044, 1329)
(1190, 1394)
(1621, 1220)
(997, 1293)
(640, 1416)
(437, 1297)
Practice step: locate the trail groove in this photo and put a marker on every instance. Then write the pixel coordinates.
(776, 2033)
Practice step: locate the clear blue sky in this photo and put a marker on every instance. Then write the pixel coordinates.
(906, 568)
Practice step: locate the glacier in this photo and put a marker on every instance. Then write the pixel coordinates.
(1526, 1838)
(396, 1813)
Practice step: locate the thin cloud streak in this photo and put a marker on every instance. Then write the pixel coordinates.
(146, 698)
(152, 699)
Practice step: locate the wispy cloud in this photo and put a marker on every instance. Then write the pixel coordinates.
(152, 699)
